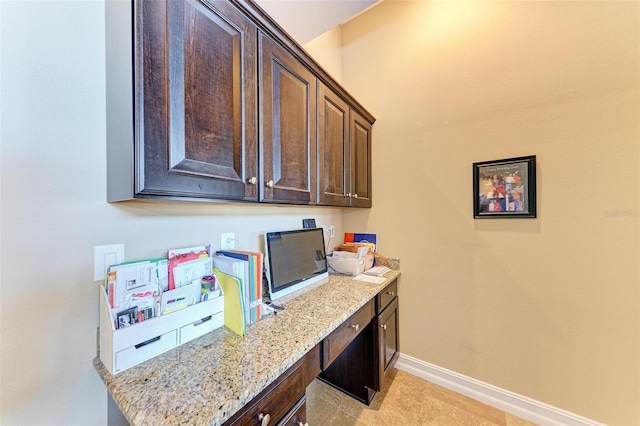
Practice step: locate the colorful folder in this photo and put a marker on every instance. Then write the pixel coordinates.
(252, 281)
(233, 302)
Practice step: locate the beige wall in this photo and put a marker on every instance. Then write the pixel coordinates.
(548, 307)
(326, 49)
(451, 83)
(53, 212)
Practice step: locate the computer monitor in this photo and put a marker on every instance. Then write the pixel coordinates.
(294, 259)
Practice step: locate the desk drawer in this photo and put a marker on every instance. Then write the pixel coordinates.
(336, 342)
(201, 327)
(145, 350)
(386, 296)
(276, 400)
(298, 414)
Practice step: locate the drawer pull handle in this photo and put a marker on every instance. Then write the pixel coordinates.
(264, 418)
(252, 181)
(270, 184)
(391, 293)
(303, 424)
(203, 320)
(146, 342)
(355, 326)
(384, 327)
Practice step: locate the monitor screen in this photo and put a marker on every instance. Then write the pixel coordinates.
(294, 259)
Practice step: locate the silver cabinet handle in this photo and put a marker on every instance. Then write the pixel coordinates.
(391, 293)
(253, 180)
(384, 326)
(303, 424)
(356, 327)
(270, 184)
(264, 419)
(355, 195)
(349, 195)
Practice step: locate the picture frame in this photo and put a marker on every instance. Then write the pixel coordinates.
(505, 188)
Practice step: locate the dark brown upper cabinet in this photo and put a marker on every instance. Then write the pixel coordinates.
(344, 152)
(360, 134)
(212, 100)
(195, 111)
(287, 126)
(333, 148)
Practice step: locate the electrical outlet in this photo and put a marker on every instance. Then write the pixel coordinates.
(227, 240)
(105, 256)
(332, 231)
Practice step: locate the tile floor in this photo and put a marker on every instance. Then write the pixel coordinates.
(405, 400)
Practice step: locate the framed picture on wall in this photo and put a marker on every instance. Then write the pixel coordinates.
(505, 188)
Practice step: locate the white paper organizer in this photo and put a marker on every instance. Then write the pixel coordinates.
(121, 349)
(350, 265)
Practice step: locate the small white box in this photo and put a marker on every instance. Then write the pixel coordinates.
(350, 265)
(123, 348)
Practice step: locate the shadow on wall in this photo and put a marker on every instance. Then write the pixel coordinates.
(205, 208)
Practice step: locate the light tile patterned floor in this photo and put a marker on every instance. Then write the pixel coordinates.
(405, 400)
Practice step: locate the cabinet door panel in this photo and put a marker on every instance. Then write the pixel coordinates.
(200, 114)
(333, 148)
(287, 111)
(387, 340)
(360, 161)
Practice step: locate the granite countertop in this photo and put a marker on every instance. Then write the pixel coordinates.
(206, 380)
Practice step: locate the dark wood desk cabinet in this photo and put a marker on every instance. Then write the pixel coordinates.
(354, 358)
(360, 369)
(283, 401)
(386, 332)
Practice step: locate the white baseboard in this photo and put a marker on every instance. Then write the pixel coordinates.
(510, 402)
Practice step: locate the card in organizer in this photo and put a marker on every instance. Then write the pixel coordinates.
(122, 349)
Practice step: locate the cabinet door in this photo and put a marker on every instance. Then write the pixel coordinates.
(387, 340)
(197, 92)
(333, 148)
(287, 130)
(360, 161)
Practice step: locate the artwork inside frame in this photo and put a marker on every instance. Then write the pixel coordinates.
(505, 188)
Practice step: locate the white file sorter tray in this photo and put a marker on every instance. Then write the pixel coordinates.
(122, 349)
(350, 265)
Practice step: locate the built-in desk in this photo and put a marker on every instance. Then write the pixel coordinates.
(208, 380)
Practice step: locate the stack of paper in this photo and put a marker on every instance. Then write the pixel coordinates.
(133, 289)
(186, 264)
(186, 267)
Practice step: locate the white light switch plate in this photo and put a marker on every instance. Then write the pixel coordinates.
(227, 240)
(105, 256)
